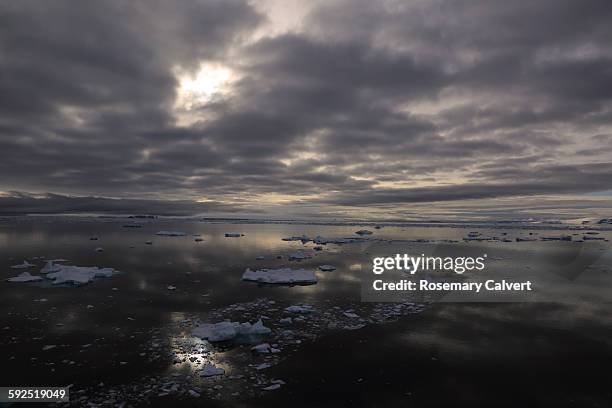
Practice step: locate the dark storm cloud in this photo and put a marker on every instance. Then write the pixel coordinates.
(454, 99)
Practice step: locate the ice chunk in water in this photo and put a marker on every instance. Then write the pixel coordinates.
(50, 267)
(223, 331)
(280, 276)
(24, 265)
(24, 277)
(78, 274)
(171, 233)
(298, 256)
(210, 370)
(299, 309)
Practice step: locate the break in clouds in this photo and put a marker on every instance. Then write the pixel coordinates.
(229, 105)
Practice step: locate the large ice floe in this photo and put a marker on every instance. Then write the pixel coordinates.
(225, 331)
(280, 276)
(79, 275)
(59, 274)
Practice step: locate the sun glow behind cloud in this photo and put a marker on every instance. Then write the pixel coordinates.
(195, 90)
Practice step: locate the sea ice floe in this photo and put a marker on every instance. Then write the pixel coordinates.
(224, 331)
(303, 238)
(323, 241)
(78, 275)
(24, 265)
(280, 276)
(24, 277)
(170, 233)
(364, 232)
(299, 255)
(327, 268)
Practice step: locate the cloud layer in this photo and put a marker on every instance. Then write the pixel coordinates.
(358, 103)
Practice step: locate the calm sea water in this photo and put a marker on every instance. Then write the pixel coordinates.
(550, 353)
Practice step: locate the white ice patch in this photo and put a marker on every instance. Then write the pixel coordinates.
(78, 275)
(280, 276)
(24, 277)
(224, 331)
(49, 267)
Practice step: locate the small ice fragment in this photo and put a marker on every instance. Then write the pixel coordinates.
(233, 235)
(210, 370)
(299, 309)
(298, 256)
(327, 268)
(272, 387)
(149, 242)
(260, 258)
(351, 315)
(303, 238)
(99, 249)
(170, 287)
(280, 276)
(364, 232)
(198, 240)
(24, 277)
(23, 265)
(93, 238)
(49, 347)
(286, 321)
(170, 233)
(263, 348)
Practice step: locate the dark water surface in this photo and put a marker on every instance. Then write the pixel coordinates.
(553, 353)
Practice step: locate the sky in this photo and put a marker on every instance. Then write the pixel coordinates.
(322, 108)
